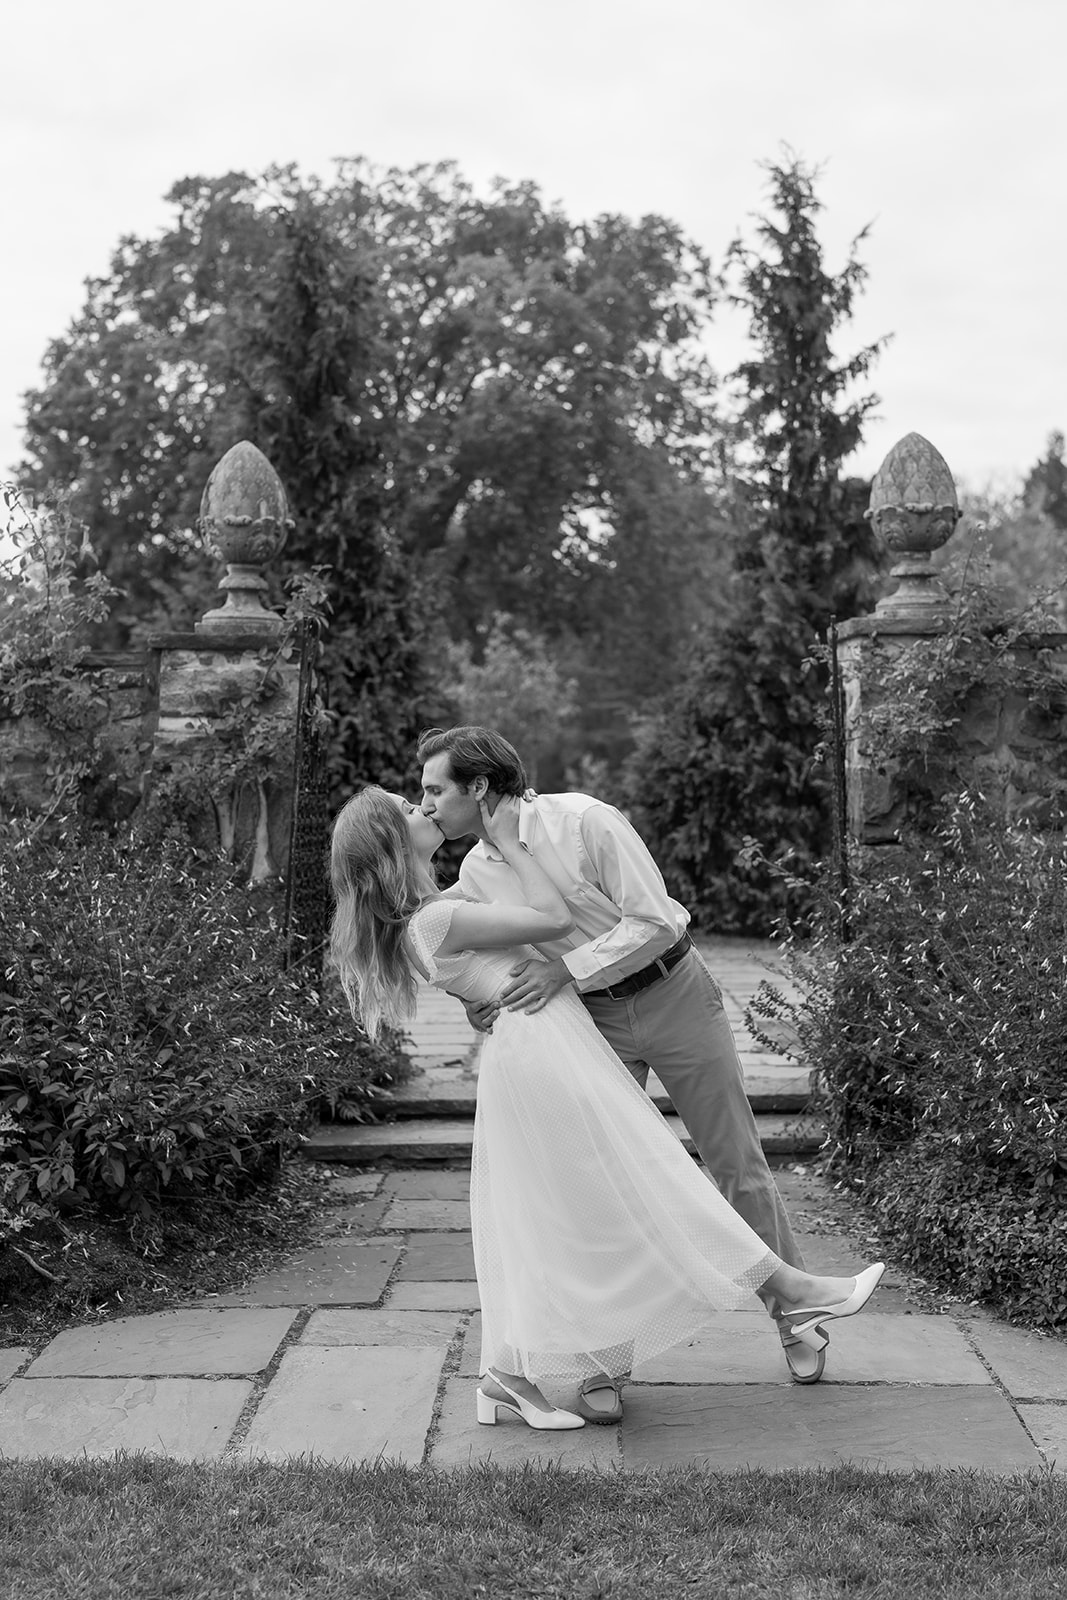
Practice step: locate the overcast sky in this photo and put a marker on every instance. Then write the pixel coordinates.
(941, 123)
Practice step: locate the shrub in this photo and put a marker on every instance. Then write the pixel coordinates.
(937, 1031)
(151, 1046)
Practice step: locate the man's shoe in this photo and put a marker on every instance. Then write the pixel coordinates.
(592, 1394)
(805, 1364)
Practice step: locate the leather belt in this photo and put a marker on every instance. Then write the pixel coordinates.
(646, 977)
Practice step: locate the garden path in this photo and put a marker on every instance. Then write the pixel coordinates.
(366, 1347)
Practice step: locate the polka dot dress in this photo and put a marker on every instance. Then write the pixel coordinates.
(598, 1242)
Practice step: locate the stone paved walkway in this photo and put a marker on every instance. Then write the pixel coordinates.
(366, 1347)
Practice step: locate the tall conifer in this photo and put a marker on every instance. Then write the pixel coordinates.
(734, 756)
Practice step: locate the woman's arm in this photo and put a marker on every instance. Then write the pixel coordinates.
(488, 927)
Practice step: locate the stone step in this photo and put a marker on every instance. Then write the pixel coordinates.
(448, 1141)
(452, 1092)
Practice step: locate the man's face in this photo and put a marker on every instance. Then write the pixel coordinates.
(452, 807)
(426, 836)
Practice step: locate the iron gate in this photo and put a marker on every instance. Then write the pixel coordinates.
(838, 784)
(307, 894)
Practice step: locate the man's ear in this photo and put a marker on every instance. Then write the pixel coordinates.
(480, 788)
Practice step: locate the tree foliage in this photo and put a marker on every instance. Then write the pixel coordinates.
(519, 688)
(1045, 489)
(468, 397)
(734, 756)
(1012, 546)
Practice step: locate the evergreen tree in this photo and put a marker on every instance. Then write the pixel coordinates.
(1045, 489)
(735, 755)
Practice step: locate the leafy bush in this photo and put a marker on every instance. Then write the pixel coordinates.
(49, 604)
(937, 1031)
(151, 1046)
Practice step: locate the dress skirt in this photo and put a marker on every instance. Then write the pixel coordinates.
(598, 1241)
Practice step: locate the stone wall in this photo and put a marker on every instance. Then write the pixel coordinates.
(207, 719)
(1008, 746)
(244, 775)
(121, 689)
(1009, 740)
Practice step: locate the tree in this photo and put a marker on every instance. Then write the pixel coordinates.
(461, 394)
(1045, 489)
(1014, 550)
(519, 689)
(241, 323)
(734, 757)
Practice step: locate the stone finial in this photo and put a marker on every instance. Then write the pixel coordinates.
(914, 509)
(244, 520)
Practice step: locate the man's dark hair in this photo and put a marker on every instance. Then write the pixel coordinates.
(476, 753)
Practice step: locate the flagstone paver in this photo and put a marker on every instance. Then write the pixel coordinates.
(439, 1296)
(438, 1255)
(362, 1216)
(343, 1273)
(470, 1355)
(780, 1426)
(349, 1404)
(392, 1327)
(1048, 1425)
(190, 1419)
(427, 1183)
(166, 1344)
(829, 1253)
(452, 1215)
(743, 1347)
(462, 1441)
(11, 1360)
(356, 1183)
(1029, 1365)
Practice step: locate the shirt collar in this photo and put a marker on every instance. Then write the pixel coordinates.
(527, 818)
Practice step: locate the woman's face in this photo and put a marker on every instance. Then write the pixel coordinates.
(426, 836)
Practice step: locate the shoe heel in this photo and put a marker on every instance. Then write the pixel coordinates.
(812, 1335)
(486, 1409)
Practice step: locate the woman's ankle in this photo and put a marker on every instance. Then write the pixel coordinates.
(795, 1290)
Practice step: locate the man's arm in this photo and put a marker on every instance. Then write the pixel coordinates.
(649, 920)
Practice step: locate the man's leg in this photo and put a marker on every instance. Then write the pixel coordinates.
(679, 1028)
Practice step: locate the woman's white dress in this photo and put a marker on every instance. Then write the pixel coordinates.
(597, 1240)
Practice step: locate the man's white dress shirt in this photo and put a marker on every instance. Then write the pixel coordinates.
(624, 918)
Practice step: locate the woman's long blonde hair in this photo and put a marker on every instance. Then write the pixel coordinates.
(372, 868)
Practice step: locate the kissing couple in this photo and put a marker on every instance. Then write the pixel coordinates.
(598, 1242)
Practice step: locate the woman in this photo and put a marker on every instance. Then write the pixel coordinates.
(598, 1242)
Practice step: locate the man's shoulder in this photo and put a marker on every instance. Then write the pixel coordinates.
(579, 814)
(569, 804)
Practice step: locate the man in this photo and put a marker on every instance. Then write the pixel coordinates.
(636, 969)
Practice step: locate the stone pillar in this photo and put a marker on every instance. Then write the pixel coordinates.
(226, 728)
(914, 510)
(1008, 737)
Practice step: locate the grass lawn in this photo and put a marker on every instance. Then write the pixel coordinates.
(138, 1527)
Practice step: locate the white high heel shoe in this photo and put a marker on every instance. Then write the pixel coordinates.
(809, 1331)
(488, 1406)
